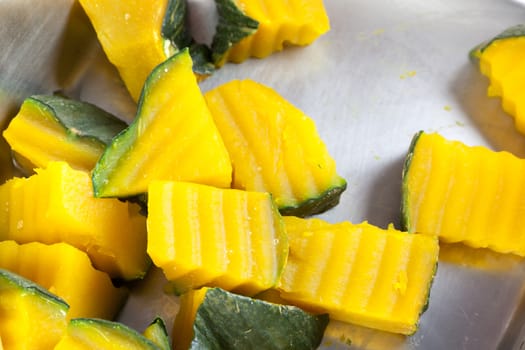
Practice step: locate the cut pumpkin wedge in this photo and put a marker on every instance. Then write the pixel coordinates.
(259, 28)
(205, 236)
(66, 272)
(130, 34)
(94, 333)
(359, 273)
(275, 148)
(501, 60)
(173, 137)
(31, 317)
(57, 205)
(467, 194)
(53, 128)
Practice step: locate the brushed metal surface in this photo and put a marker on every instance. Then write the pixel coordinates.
(385, 70)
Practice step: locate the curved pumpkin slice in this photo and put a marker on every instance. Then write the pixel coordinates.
(57, 205)
(275, 148)
(464, 194)
(201, 235)
(501, 60)
(32, 318)
(94, 333)
(260, 27)
(156, 332)
(359, 273)
(173, 137)
(138, 35)
(130, 34)
(67, 272)
(54, 128)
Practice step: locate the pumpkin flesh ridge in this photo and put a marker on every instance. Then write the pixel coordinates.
(380, 278)
(475, 191)
(57, 205)
(241, 246)
(66, 272)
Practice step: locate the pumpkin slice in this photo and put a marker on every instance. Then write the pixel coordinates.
(158, 334)
(501, 60)
(173, 137)
(31, 317)
(57, 205)
(130, 34)
(359, 273)
(201, 235)
(464, 194)
(212, 318)
(54, 128)
(92, 333)
(260, 27)
(139, 35)
(66, 272)
(275, 148)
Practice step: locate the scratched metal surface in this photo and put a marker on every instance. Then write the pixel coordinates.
(385, 70)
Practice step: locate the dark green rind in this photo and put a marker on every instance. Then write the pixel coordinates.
(9, 279)
(228, 321)
(511, 32)
(233, 26)
(325, 201)
(158, 334)
(425, 307)
(405, 206)
(81, 119)
(115, 153)
(174, 25)
(175, 29)
(116, 328)
(202, 60)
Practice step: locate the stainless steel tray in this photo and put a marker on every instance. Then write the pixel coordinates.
(385, 70)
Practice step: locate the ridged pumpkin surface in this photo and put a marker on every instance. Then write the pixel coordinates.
(275, 148)
(359, 273)
(66, 272)
(173, 137)
(280, 23)
(465, 194)
(501, 60)
(57, 205)
(200, 235)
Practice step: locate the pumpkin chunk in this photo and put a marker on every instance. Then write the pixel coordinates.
(130, 34)
(359, 273)
(501, 60)
(260, 27)
(32, 318)
(66, 272)
(275, 148)
(158, 334)
(173, 137)
(57, 205)
(464, 194)
(200, 235)
(54, 128)
(93, 333)
(212, 318)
